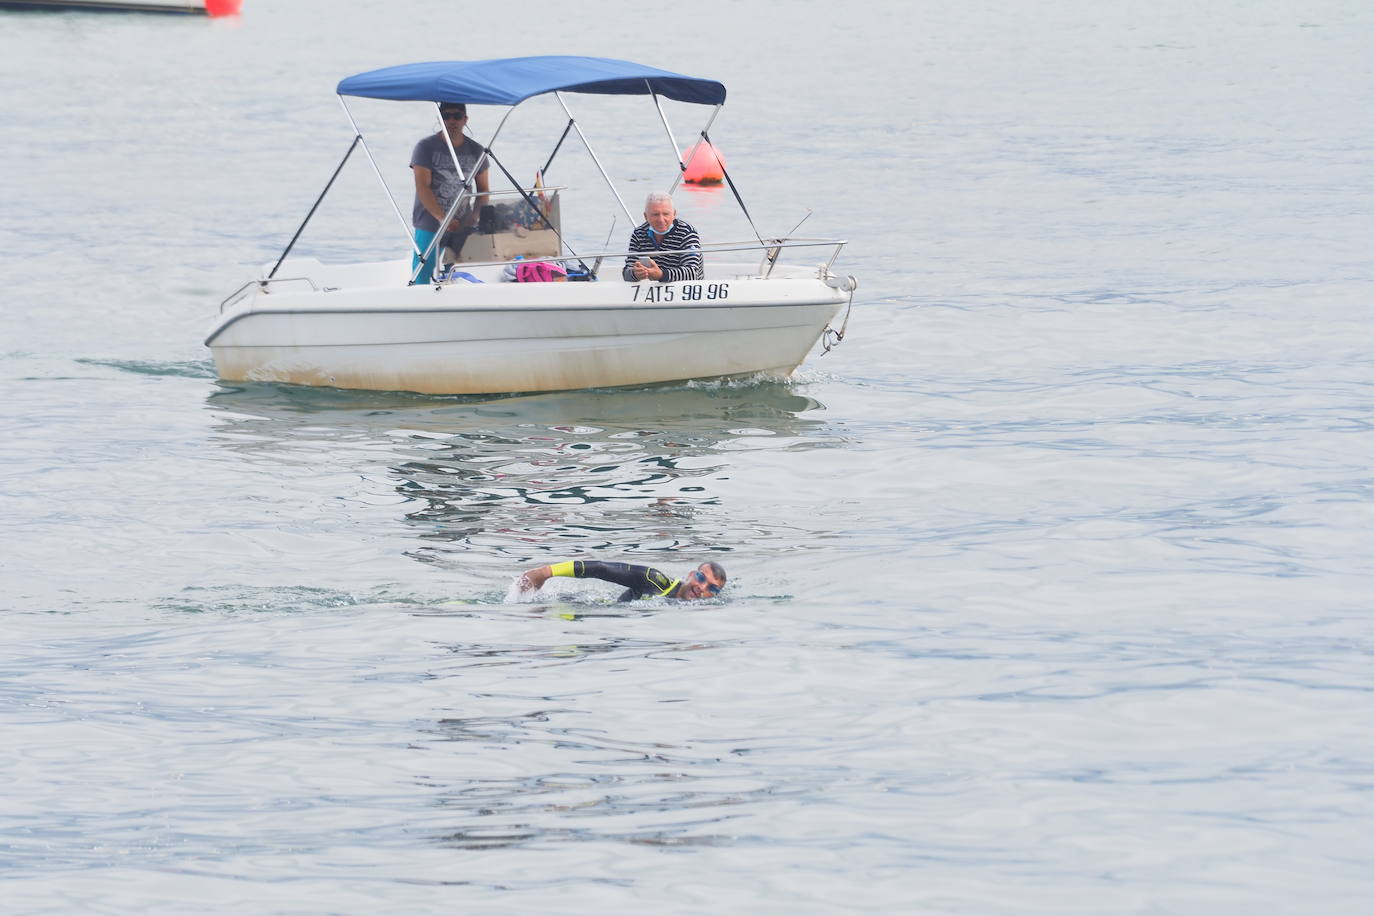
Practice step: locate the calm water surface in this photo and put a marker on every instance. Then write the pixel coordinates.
(1050, 587)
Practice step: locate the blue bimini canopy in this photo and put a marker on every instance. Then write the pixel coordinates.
(509, 81)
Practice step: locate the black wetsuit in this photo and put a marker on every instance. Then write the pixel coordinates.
(639, 581)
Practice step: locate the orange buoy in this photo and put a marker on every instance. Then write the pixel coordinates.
(706, 167)
(222, 7)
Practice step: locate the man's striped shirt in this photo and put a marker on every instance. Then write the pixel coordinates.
(685, 265)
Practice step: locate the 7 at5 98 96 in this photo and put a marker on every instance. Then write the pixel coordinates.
(687, 292)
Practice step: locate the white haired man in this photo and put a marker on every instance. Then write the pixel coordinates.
(666, 248)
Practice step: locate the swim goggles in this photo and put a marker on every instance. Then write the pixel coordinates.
(711, 587)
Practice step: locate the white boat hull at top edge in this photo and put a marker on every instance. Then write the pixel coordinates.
(491, 338)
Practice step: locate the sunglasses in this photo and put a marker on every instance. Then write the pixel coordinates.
(711, 587)
(452, 115)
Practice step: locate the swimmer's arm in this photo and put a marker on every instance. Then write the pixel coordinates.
(534, 580)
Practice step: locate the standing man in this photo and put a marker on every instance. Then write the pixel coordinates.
(660, 233)
(705, 581)
(437, 185)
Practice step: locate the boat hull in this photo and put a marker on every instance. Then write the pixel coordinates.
(497, 338)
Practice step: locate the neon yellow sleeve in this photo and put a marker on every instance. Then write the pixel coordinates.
(564, 569)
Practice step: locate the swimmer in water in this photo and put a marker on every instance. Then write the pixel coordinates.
(705, 581)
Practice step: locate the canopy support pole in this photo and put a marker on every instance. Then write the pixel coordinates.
(662, 116)
(591, 152)
(448, 141)
(740, 200)
(683, 166)
(771, 253)
(405, 225)
(329, 184)
(545, 170)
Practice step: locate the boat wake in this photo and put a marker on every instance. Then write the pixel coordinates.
(200, 368)
(802, 376)
(514, 595)
(231, 600)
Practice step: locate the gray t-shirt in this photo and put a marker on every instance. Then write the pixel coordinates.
(432, 153)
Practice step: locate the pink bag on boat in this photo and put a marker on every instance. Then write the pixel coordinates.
(539, 272)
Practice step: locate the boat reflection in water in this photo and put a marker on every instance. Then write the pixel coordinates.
(505, 481)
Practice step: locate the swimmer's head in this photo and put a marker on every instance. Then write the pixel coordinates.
(705, 581)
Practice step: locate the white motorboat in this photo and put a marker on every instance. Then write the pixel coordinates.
(469, 330)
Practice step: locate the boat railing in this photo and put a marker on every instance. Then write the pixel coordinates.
(532, 191)
(262, 284)
(771, 249)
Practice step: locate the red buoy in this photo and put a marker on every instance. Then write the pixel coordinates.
(706, 167)
(223, 7)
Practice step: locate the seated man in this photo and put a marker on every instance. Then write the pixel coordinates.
(705, 581)
(663, 232)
